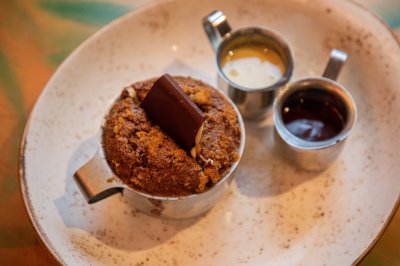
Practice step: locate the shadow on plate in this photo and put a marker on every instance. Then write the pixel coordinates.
(111, 222)
(262, 171)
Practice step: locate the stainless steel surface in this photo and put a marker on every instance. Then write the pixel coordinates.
(178, 207)
(335, 64)
(96, 181)
(252, 103)
(216, 27)
(315, 155)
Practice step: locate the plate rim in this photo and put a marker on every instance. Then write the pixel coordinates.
(23, 188)
(396, 206)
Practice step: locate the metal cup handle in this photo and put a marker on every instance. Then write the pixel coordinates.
(95, 179)
(214, 24)
(335, 64)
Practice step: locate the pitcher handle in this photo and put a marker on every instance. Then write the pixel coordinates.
(95, 179)
(215, 23)
(335, 64)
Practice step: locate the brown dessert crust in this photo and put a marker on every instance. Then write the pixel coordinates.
(148, 160)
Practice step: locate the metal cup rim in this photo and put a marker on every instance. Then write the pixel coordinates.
(323, 83)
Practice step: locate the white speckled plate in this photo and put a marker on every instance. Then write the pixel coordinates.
(274, 214)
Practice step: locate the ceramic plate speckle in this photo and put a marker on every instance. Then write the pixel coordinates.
(273, 213)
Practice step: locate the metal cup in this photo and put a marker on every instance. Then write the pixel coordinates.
(315, 155)
(96, 181)
(253, 103)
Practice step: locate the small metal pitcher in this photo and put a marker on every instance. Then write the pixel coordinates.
(253, 103)
(316, 155)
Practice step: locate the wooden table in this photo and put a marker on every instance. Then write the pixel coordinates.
(35, 36)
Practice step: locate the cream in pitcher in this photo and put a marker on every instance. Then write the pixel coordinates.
(253, 66)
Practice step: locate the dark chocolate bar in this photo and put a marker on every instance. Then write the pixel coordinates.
(171, 109)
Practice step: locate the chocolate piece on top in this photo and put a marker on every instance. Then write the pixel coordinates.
(171, 109)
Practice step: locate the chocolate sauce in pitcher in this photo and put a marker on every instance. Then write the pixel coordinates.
(313, 114)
